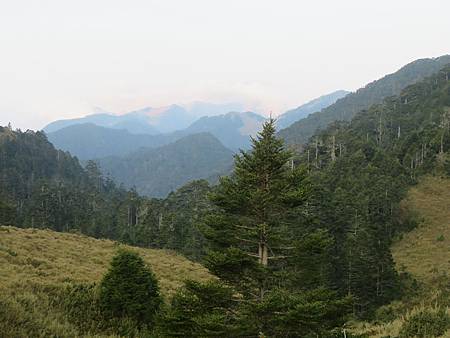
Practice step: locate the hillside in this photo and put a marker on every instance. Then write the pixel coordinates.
(316, 105)
(36, 265)
(373, 93)
(423, 253)
(156, 172)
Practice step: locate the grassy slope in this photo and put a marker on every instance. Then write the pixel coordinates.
(424, 253)
(35, 265)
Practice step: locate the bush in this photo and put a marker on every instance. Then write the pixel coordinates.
(129, 290)
(426, 323)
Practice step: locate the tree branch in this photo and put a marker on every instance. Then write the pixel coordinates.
(244, 227)
(246, 240)
(279, 257)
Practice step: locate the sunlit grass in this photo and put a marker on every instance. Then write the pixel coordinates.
(36, 265)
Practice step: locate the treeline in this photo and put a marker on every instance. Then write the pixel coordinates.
(41, 187)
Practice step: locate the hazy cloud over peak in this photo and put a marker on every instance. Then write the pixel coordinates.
(61, 58)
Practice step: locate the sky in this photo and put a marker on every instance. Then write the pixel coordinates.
(62, 58)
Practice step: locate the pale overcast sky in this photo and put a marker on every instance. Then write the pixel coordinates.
(61, 58)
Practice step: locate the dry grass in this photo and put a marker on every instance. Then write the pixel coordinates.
(424, 253)
(36, 265)
(44, 258)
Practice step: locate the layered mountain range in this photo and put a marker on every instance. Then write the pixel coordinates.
(138, 148)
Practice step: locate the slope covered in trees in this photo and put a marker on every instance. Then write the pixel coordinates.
(361, 171)
(346, 108)
(156, 172)
(42, 187)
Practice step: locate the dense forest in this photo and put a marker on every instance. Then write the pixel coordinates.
(300, 242)
(42, 187)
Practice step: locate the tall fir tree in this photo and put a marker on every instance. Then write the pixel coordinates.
(251, 232)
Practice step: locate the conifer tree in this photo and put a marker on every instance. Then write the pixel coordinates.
(251, 233)
(130, 290)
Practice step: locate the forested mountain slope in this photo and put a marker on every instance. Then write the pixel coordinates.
(363, 169)
(42, 187)
(156, 172)
(345, 108)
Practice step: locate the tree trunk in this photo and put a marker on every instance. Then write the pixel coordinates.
(333, 149)
(263, 254)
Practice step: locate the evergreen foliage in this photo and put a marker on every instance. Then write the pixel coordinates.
(252, 234)
(130, 290)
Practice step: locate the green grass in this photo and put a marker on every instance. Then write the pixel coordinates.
(36, 265)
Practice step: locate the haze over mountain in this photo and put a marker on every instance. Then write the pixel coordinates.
(150, 120)
(344, 109)
(316, 105)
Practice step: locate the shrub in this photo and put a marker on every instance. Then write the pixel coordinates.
(426, 323)
(129, 290)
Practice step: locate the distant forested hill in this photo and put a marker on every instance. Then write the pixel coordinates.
(156, 172)
(345, 108)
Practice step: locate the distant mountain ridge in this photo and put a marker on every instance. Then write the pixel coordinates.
(150, 120)
(89, 140)
(373, 93)
(313, 106)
